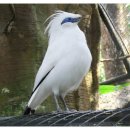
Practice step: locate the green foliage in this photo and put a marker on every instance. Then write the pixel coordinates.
(104, 89)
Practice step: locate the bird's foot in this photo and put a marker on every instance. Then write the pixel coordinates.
(70, 111)
(59, 110)
(73, 110)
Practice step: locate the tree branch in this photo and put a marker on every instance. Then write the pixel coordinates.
(116, 79)
(119, 58)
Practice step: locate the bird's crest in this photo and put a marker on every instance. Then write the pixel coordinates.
(55, 21)
(52, 18)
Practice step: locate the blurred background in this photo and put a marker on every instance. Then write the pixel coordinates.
(23, 46)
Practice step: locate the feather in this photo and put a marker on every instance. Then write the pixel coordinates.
(43, 78)
(66, 61)
(51, 18)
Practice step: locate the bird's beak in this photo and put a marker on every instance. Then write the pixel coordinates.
(78, 18)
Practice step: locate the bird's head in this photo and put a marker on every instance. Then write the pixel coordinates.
(61, 20)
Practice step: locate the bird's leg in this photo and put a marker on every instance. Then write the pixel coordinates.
(57, 104)
(64, 103)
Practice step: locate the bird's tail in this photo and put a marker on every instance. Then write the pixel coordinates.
(28, 111)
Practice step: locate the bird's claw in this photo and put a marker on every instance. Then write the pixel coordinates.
(59, 110)
(70, 111)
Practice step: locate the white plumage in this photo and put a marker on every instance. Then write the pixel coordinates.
(66, 62)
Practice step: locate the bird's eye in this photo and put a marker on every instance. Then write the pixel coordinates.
(69, 19)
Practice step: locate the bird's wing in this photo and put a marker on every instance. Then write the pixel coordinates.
(41, 75)
(47, 65)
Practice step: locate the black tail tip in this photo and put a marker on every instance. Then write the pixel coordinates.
(28, 111)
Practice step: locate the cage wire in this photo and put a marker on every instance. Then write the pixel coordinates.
(116, 19)
(117, 117)
(121, 24)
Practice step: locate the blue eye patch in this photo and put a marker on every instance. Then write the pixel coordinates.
(69, 19)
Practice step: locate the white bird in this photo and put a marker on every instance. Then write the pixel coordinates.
(67, 61)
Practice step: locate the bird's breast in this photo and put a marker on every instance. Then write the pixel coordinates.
(73, 60)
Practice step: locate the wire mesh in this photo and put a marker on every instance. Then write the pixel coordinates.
(64, 118)
(118, 117)
(113, 115)
(120, 121)
(50, 119)
(36, 120)
(95, 116)
(80, 117)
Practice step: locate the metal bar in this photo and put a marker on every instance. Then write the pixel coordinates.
(107, 20)
(115, 79)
